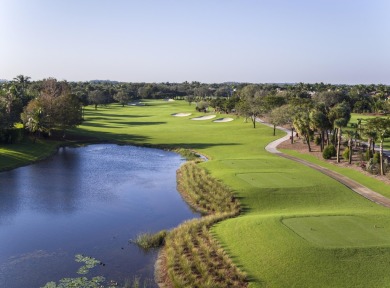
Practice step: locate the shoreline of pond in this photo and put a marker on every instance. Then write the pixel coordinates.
(55, 146)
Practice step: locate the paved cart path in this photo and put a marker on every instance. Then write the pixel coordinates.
(353, 185)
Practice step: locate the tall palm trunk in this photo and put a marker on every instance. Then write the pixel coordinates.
(292, 135)
(369, 144)
(322, 140)
(338, 144)
(327, 138)
(334, 136)
(307, 137)
(381, 157)
(350, 150)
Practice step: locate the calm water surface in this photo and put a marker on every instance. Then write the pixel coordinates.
(91, 201)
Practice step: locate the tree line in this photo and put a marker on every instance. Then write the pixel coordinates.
(317, 109)
(321, 115)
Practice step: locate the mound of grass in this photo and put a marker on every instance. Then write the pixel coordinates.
(190, 155)
(148, 241)
(204, 192)
(191, 256)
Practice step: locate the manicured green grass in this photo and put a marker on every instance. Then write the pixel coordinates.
(270, 189)
(341, 231)
(15, 155)
(272, 254)
(369, 182)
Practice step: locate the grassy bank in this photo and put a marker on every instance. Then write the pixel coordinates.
(191, 257)
(282, 237)
(26, 152)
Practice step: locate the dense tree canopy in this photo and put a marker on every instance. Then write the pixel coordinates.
(50, 104)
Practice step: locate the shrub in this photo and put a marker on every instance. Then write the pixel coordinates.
(346, 154)
(368, 155)
(202, 106)
(362, 165)
(386, 165)
(149, 241)
(362, 156)
(376, 158)
(329, 152)
(317, 140)
(372, 167)
(9, 136)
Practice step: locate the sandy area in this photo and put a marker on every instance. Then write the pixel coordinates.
(207, 117)
(181, 114)
(137, 104)
(221, 120)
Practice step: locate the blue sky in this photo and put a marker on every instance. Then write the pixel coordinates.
(331, 41)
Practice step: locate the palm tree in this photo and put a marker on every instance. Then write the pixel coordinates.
(382, 127)
(339, 115)
(320, 122)
(22, 81)
(372, 136)
(351, 134)
(302, 125)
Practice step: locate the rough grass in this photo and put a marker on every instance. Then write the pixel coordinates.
(203, 192)
(257, 241)
(148, 241)
(191, 256)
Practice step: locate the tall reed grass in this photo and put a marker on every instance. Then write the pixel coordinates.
(191, 256)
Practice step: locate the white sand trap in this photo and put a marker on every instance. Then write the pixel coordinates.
(207, 117)
(221, 120)
(137, 104)
(181, 114)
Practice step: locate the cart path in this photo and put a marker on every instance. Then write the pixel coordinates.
(353, 185)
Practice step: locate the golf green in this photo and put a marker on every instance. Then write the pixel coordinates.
(341, 231)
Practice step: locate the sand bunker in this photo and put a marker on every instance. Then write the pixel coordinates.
(221, 120)
(181, 114)
(207, 117)
(137, 104)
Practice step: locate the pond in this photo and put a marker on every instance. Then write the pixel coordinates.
(91, 201)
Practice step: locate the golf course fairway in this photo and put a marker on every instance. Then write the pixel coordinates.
(298, 227)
